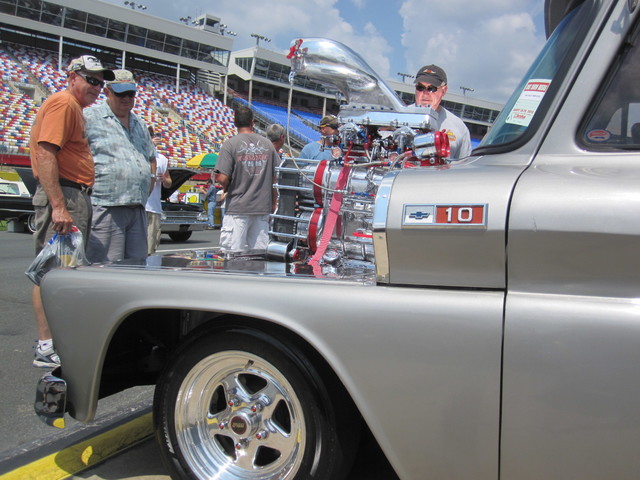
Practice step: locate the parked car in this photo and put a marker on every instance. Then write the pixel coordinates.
(15, 199)
(479, 318)
(180, 220)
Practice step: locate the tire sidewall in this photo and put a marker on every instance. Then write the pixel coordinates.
(322, 456)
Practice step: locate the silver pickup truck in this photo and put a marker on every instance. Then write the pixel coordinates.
(480, 318)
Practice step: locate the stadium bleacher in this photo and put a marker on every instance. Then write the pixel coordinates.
(278, 114)
(18, 111)
(190, 120)
(183, 138)
(311, 118)
(202, 111)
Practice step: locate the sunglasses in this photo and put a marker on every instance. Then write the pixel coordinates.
(129, 94)
(93, 81)
(430, 88)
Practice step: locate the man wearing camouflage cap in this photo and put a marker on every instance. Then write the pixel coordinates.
(63, 166)
(323, 148)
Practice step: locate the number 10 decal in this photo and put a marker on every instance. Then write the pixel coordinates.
(445, 215)
(467, 214)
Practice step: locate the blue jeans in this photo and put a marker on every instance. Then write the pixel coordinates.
(210, 209)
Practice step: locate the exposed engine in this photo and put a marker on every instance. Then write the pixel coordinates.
(326, 208)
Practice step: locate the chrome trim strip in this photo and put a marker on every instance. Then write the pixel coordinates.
(380, 215)
(288, 235)
(292, 187)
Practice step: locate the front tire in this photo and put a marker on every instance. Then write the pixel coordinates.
(180, 236)
(31, 223)
(243, 406)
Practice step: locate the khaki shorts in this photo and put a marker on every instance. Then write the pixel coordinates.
(153, 231)
(240, 233)
(78, 204)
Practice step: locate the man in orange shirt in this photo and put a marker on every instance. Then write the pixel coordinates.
(63, 166)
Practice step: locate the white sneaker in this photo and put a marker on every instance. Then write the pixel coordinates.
(46, 359)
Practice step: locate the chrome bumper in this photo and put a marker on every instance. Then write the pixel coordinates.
(51, 399)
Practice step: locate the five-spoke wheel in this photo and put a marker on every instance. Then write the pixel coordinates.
(242, 406)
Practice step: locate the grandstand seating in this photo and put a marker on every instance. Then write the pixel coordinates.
(11, 72)
(202, 124)
(278, 114)
(18, 114)
(181, 142)
(309, 117)
(18, 110)
(202, 111)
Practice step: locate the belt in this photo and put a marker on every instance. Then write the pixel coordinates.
(80, 186)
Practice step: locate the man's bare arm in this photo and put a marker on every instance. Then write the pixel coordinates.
(49, 179)
(224, 180)
(274, 199)
(153, 163)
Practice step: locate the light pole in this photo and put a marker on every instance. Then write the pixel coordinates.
(188, 20)
(466, 89)
(260, 37)
(405, 75)
(134, 5)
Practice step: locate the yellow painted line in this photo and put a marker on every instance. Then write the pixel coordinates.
(83, 455)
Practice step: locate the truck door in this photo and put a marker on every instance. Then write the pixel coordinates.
(572, 318)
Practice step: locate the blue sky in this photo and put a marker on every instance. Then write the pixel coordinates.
(486, 45)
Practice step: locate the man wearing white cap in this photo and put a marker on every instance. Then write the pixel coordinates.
(431, 86)
(63, 166)
(125, 165)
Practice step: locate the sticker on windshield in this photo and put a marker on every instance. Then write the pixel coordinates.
(526, 106)
(598, 135)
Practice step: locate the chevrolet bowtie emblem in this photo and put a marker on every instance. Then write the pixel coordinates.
(419, 215)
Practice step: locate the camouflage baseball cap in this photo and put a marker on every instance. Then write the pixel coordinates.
(89, 63)
(329, 121)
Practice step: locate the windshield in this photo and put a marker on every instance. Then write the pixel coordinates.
(526, 104)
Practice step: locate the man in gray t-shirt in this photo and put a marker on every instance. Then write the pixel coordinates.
(246, 166)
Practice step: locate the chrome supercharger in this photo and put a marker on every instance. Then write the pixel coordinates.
(325, 208)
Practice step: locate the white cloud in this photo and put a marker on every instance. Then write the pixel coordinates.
(283, 21)
(485, 45)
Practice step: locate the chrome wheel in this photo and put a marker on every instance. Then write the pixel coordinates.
(243, 405)
(31, 222)
(236, 413)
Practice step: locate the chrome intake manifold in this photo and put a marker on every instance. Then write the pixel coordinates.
(325, 208)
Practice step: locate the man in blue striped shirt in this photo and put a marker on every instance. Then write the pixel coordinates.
(124, 157)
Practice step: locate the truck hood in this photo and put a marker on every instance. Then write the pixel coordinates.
(178, 178)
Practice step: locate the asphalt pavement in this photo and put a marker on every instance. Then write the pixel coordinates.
(24, 437)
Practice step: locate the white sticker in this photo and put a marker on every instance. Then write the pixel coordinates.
(526, 106)
(599, 135)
